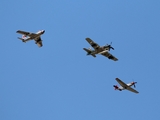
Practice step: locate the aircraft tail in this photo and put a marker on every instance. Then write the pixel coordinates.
(23, 40)
(115, 87)
(89, 52)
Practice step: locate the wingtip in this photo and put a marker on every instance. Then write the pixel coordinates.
(87, 38)
(115, 59)
(117, 79)
(84, 48)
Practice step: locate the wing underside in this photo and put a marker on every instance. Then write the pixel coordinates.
(110, 56)
(124, 85)
(132, 90)
(92, 43)
(23, 32)
(39, 42)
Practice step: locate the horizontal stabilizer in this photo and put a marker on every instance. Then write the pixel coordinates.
(21, 39)
(89, 52)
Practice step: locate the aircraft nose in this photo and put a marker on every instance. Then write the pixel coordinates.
(43, 31)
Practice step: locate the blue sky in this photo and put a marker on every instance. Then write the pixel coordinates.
(58, 81)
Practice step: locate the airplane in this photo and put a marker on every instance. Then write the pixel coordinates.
(125, 86)
(103, 50)
(26, 36)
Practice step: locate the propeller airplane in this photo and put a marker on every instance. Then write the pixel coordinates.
(125, 86)
(103, 50)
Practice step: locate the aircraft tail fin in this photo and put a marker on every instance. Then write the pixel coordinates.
(115, 87)
(24, 38)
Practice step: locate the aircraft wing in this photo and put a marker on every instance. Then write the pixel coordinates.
(23, 32)
(110, 56)
(92, 43)
(124, 85)
(39, 42)
(132, 90)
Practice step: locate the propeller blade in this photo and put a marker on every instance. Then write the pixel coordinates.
(112, 48)
(109, 47)
(134, 86)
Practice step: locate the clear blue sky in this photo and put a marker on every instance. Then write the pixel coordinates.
(58, 81)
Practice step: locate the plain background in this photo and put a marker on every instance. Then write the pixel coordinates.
(58, 81)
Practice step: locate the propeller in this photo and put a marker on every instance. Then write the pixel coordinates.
(110, 47)
(134, 84)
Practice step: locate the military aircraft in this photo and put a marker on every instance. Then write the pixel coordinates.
(104, 50)
(125, 86)
(26, 36)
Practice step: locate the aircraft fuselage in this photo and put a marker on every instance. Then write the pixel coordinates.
(99, 50)
(37, 35)
(128, 85)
